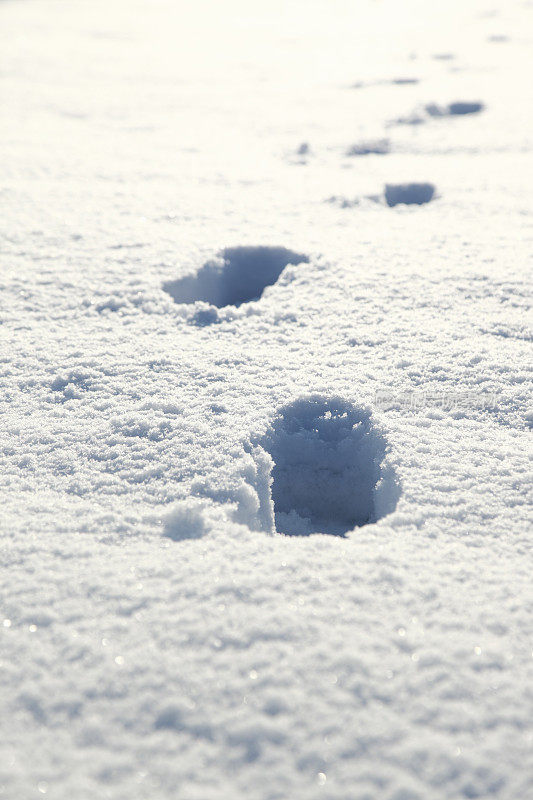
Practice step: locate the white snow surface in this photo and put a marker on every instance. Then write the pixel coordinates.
(161, 636)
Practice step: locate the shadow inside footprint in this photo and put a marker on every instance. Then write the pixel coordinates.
(459, 108)
(456, 109)
(328, 474)
(237, 275)
(368, 147)
(408, 193)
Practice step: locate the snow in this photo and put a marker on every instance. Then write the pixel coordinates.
(218, 337)
(187, 520)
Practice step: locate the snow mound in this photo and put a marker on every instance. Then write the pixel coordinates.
(237, 275)
(187, 520)
(409, 193)
(329, 473)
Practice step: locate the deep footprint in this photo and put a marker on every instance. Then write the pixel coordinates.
(237, 275)
(329, 474)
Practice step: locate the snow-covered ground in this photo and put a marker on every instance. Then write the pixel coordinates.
(221, 324)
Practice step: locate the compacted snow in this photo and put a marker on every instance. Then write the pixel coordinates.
(266, 399)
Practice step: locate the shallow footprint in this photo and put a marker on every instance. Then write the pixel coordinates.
(237, 275)
(329, 474)
(368, 147)
(458, 108)
(421, 115)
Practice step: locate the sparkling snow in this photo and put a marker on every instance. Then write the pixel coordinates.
(265, 401)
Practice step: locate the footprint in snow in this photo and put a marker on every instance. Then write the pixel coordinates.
(401, 81)
(368, 147)
(329, 473)
(458, 108)
(237, 275)
(394, 194)
(408, 193)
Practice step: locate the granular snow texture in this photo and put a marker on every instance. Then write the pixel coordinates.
(266, 504)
